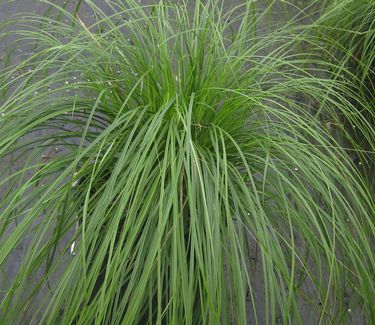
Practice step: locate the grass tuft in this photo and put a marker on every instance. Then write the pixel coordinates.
(170, 170)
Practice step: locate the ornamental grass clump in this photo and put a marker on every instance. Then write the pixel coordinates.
(169, 170)
(348, 28)
(347, 33)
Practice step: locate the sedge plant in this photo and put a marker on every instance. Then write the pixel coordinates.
(162, 165)
(347, 32)
(348, 28)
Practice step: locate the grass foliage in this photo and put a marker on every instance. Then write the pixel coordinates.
(350, 30)
(170, 169)
(347, 32)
